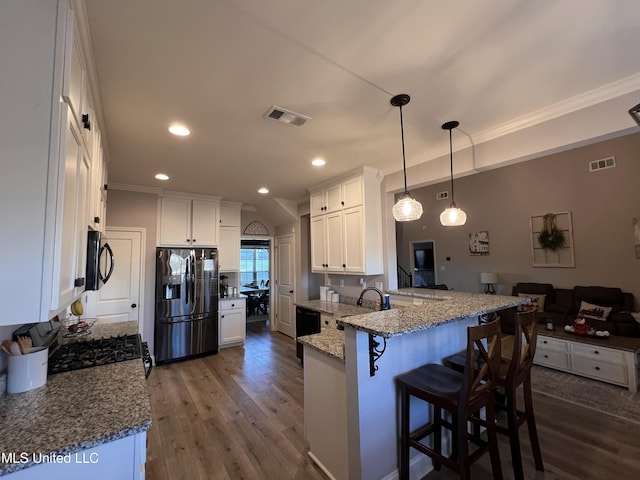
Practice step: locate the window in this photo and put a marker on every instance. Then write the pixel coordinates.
(254, 262)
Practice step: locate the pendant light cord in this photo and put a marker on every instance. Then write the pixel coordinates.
(404, 162)
(451, 166)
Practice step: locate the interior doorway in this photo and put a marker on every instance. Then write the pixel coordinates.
(423, 263)
(255, 278)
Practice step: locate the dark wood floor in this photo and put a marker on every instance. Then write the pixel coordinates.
(239, 415)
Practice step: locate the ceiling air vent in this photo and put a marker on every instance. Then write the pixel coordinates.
(286, 116)
(442, 195)
(601, 164)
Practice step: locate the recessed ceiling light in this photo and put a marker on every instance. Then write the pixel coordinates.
(179, 130)
(318, 162)
(162, 176)
(263, 190)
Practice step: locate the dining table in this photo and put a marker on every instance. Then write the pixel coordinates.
(255, 295)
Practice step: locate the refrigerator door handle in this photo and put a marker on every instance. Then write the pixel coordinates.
(186, 279)
(193, 280)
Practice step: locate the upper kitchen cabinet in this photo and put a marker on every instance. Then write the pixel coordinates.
(346, 225)
(229, 247)
(47, 165)
(188, 220)
(335, 197)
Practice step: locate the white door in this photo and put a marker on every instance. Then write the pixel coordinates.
(285, 283)
(120, 300)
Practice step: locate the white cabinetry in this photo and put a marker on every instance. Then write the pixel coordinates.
(46, 161)
(124, 458)
(612, 363)
(229, 251)
(188, 221)
(233, 324)
(346, 225)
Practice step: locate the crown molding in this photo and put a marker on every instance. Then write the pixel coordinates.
(135, 188)
(592, 97)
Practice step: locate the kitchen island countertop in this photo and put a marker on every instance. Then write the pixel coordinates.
(76, 410)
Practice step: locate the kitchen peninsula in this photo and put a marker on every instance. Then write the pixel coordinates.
(87, 423)
(350, 398)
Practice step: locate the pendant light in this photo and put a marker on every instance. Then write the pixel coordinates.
(452, 216)
(406, 208)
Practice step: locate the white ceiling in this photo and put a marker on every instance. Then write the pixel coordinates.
(218, 65)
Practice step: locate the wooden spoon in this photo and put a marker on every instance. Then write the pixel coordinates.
(25, 344)
(6, 346)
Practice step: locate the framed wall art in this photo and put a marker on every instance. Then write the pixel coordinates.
(552, 240)
(479, 243)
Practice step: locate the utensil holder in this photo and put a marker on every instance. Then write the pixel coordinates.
(26, 372)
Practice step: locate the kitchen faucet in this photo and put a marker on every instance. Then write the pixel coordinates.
(382, 306)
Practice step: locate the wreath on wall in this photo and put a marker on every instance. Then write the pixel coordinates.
(550, 237)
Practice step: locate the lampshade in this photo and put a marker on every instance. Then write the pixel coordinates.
(452, 216)
(406, 208)
(488, 277)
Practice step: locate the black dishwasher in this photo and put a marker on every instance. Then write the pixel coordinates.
(307, 323)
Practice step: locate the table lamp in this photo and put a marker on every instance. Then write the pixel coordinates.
(488, 279)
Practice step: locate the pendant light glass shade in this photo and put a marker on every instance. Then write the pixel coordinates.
(452, 216)
(406, 208)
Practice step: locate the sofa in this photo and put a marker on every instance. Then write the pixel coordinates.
(603, 308)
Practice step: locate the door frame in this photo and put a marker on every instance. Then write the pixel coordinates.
(143, 254)
(412, 265)
(272, 248)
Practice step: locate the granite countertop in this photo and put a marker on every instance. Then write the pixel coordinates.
(77, 410)
(330, 340)
(430, 309)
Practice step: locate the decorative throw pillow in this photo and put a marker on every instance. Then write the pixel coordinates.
(537, 301)
(589, 310)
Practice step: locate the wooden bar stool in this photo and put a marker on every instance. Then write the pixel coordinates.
(460, 394)
(515, 370)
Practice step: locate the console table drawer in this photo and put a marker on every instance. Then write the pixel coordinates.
(598, 353)
(552, 358)
(606, 371)
(552, 343)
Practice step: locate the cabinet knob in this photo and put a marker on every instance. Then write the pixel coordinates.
(596, 352)
(342, 203)
(544, 341)
(193, 241)
(221, 316)
(546, 356)
(105, 187)
(597, 368)
(133, 305)
(344, 265)
(96, 219)
(233, 304)
(86, 123)
(78, 282)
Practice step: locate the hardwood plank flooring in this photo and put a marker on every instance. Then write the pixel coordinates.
(239, 415)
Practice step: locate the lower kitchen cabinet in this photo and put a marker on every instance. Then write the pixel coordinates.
(124, 458)
(232, 329)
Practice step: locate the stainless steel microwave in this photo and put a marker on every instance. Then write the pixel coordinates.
(100, 261)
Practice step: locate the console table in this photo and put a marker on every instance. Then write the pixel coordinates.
(612, 360)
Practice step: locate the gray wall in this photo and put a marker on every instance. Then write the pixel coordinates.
(136, 209)
(502, 201)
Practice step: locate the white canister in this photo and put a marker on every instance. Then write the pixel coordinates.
(323, 293)
(335, 297)
(329, 294)
(26, 372)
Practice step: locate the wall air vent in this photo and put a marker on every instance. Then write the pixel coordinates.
(601, 164)
(442, 195)
(286, 116)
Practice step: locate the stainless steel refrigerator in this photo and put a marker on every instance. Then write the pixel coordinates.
(186, 302)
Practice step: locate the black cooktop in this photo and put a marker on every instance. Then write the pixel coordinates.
(84, 354)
